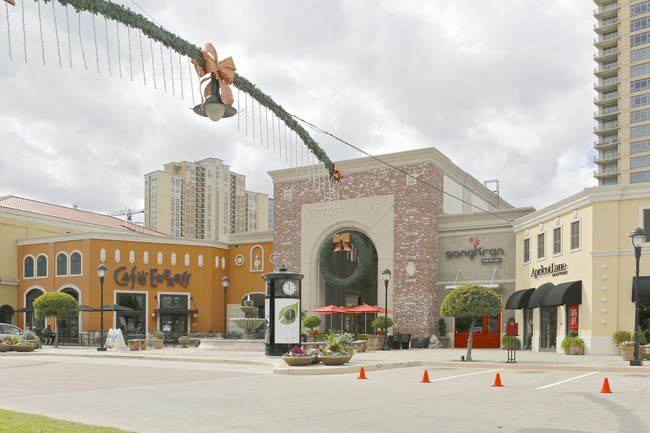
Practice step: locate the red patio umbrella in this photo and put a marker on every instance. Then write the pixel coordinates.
(331, 309)
(365, 308)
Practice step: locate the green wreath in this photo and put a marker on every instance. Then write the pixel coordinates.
(363, 266)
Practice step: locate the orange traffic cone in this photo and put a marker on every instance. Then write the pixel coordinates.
(362, 374)
(425, 378)
(606, 387)
(497, 380)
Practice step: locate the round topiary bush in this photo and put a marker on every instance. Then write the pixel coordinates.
(311, 322)
(380, 322)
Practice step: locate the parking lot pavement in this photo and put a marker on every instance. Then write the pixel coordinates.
(202, 393)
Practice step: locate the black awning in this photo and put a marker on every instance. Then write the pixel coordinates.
(644, 289)
(565, 294)
(175, 311)
(519, 299)
(537, 299)
(25, 310)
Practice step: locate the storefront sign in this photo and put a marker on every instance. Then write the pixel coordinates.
(553, 270)
(153, 277)
(573, 317)
(477, 251)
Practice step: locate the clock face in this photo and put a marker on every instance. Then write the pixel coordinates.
(289, 288)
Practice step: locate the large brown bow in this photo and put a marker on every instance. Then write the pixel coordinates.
(342, 242)
(223, 71)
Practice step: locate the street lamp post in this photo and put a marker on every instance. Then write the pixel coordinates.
(101, 272)
(638, 239)
(386, 277)
(224, 282)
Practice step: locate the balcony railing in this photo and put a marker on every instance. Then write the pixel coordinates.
(605, 157)
(606, 171)
(605, 23)
(606, 37)
(606, 8)
(606, 67)
(606, 82)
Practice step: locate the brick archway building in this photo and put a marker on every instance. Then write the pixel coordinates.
(395, 205)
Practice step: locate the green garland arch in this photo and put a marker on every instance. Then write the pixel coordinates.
(129, 18)
(362, 267)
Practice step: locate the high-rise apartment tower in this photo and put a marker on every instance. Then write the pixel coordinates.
(202, 200)
(623, 87)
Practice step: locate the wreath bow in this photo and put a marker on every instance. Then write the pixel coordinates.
(343, 242)
(223, 71)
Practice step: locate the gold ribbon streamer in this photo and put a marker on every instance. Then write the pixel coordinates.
(223, 71)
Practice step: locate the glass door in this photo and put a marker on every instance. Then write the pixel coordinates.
(548, 328)
(132, 322)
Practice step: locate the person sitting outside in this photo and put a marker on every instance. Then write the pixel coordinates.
(47, 335)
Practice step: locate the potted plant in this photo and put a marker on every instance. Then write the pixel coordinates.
(573, 345)
(381, 324)
(619, 337)
(184, 340)
(6, 343)
(298, 357)
(627, 350)
(338, 350)
(158, 338)
(442, 332)
(31, 338)
(507, 338)
(311, 322)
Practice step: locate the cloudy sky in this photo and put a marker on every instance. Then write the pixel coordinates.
(504, 88)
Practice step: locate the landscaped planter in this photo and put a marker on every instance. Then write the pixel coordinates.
(295, 361)
(4, 348)
(627, 353)
(375, 342)
(26, 348)
(334, 359)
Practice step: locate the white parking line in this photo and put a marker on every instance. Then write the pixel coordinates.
(567, 380)
(463, 375)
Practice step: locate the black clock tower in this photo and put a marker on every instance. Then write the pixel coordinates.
(282, 311)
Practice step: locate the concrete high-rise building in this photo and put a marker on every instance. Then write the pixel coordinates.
(623, 86)
(202, 200)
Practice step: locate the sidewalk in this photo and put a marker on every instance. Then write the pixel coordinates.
(371, 360)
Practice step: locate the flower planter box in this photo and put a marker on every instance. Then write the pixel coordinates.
(375, 342)
(296, 361)
(627, 353)
(5, 348)
(574, 349)
(158, 343)
(334, 359)
(27, 348)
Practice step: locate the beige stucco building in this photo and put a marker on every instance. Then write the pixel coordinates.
(575, 267)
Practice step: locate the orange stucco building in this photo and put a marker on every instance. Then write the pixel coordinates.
(166, 283)
(153, 280)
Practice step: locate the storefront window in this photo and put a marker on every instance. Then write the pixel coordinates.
(174, 324)
(133, 322)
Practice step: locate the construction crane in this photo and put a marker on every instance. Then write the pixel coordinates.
(128, 212)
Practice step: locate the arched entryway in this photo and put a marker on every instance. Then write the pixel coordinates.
(30, 320)
(69, 331)
(6, 314)
(348, 266)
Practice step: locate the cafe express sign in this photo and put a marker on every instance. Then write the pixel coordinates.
(153, 277)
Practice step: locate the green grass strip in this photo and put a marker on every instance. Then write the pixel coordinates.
(17, 422)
